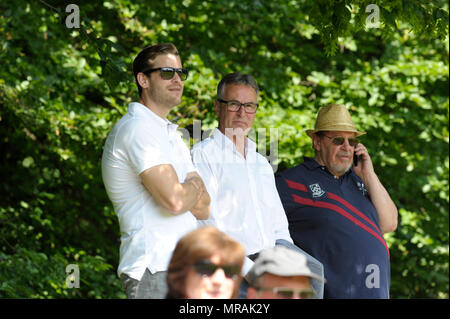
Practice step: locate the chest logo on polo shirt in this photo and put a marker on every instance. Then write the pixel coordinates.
(316, 190)
(362, 188)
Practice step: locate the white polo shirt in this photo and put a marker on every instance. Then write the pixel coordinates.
(149, 233)
(244, 199)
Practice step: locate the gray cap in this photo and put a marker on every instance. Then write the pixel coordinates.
(280, 261)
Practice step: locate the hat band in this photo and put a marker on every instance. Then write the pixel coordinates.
(335, 126)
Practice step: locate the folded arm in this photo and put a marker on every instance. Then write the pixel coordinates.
(201, 210)
(162, 183)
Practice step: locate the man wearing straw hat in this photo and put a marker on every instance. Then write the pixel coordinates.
(338, 211)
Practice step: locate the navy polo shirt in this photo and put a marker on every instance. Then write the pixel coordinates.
(334, 220)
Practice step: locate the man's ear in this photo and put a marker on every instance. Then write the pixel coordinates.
(143, 80)
(316, 142)
(217, 107)
(219, 110)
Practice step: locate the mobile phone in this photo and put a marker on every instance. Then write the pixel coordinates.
(355, 159)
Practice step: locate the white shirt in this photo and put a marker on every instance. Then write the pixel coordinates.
(244, 199)
(149, 233)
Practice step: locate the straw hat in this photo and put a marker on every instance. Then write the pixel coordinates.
(334, 117)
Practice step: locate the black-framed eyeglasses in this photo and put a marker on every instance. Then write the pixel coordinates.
(167, 73)
(290, 293)
(207, 268)
(235, 106)
(339, 140)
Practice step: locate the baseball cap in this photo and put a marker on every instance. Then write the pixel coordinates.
(280, 261)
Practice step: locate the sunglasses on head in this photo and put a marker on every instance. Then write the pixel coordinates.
(289, 293)
(207, 268)
(339, 140)
(167, 73)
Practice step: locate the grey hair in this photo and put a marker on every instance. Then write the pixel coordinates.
(236, 78)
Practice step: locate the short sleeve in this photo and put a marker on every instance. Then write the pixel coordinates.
(144, 147)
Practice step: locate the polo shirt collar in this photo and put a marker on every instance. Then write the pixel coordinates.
(141, 110)
(312, 164)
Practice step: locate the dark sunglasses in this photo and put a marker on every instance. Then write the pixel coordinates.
(167, 73)
(339, 140)
(206, 268)
(289, 293)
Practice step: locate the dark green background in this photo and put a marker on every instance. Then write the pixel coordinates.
(62, 89)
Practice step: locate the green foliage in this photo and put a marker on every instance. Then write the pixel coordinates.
(43, 276)
(61, 91)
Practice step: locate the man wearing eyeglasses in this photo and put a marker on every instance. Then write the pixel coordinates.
(338, 210)
(148, 174)
(244, 200)
(281, 273)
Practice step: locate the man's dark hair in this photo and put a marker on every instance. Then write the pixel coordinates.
(236, 78)
(145, 59)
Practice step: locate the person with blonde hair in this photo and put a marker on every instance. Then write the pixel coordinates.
(206, 264)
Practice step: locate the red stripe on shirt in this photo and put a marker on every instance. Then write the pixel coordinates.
(353, 209)
(296, 186)
(301, 187)
(339, 210)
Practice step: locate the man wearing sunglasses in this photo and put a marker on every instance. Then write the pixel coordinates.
(244, 200)
(148, 174)
(281, 273)
(338, 210)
